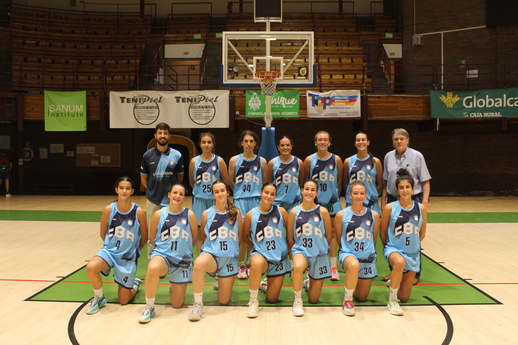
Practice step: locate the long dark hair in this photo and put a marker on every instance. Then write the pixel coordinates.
(232, 209)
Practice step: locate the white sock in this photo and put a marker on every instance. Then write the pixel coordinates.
(349, 294)
(254, 293)
(98, 293)
(332, 261)
(298, 294)
(198, 298)
(291, 264)
(393, 293)
(150, 302)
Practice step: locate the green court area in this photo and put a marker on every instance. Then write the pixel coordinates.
(437, 283)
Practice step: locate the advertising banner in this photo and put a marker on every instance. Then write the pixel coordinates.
(65, 111)
(285, 103)
(179, 109)
(496, 103)
(337, 103)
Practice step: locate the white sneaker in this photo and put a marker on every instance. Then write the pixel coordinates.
(394, 308)
(196, 313)
(348, 308)
(334, 273)
(241, 274)
(216, 286)
(297, 307)
(305, 283)
(253, 308)
(263, 286)
(147, 315)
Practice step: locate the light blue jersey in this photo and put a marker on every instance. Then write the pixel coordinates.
(404, 227)
(248, 178)
(267, 233)
(309, 233)
(363, 170)
(122, 240)
(325, 172)
(286, 178)
(204, 175)
(358, 235)
(222, 237)
(173, 239)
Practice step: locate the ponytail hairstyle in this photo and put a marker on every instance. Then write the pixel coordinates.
(366, 135)
(323, 132)
(125, 178)
(402, 175)
(269, 184)
(232, 210)
(358, 183)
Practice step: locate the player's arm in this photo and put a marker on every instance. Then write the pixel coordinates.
(201, 231)
(345, 178)
(422, 231)
(153, 226)
(376, 227)
(269, 172)
(246, 229)
(143, 227)
(384, 196)
(104, 221)
(302, 173)
(379, 176)
(193, 224)
(239, 225)
(263, 169)
(179, 170)
(289, 230)
(231, 169)
(426, 192)
(338, 226)
(385, 219)
(307, 172)
(340, 166)
(223, 169)
(328, 226)
(191, 173)
(143, 180)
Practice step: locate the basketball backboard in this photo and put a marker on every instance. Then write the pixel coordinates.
(289, 52)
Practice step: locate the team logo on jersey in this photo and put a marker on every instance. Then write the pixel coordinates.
(255, 168)
(184, 221)
(294, 169)
(130, 222)
(369, 167)
(214, 168)
(275, 220)
(331, 166)
(416, 217)
(368, 223)
(316, 219)
(171, 162)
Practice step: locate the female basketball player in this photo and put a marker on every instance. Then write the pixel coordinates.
(326, 168)
(287, 173)
(204, 169)
(174, 232)
(221, 226)
(247, 174)
(309, 234)
(357, 229)
(403, 228)
(365, 168)
(124, 232)
(263, 231)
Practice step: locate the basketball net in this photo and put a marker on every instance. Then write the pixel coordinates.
(268, 81)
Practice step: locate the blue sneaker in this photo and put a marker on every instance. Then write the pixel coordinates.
(147, 315)
(96, 304)
(137, 283)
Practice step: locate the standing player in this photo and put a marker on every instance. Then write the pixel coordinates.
(203, 171)
(161, 167)
(5, 169)
(124, 232)
(173, 231)
(326, 168)
(287, 173)
(221, 233)
(309, 234)
(357, 229)
(403, 228)
(247, 175)
(365, 168)
(263, 230)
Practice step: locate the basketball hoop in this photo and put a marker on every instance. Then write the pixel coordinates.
(268, 81)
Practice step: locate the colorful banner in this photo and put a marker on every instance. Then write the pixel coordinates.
(337, 103)
(285, 103)
(496, 103)
(179, 109)
(65, 111)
